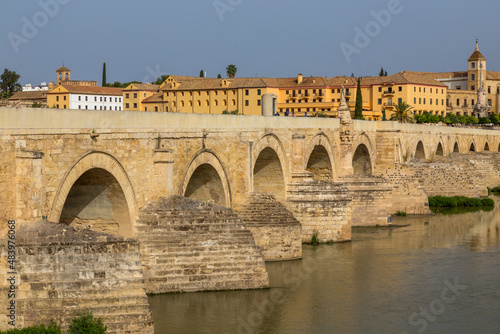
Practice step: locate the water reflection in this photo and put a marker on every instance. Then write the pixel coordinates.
(374, 284)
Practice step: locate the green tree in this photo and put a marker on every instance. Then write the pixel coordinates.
(495, 119)
(358, 110)
(402, 113)
(202, 74)
(385, 73)
(381, 73)
(384, 118)
(161, 79)
(219, 76)
(9, 83)
(104, 83)
(86, 324)
(231, 71)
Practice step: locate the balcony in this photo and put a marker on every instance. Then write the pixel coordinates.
(347, 93)
(388, 105)
(389, 93)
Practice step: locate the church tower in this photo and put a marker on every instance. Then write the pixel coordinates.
(63, 74)
(476, 69)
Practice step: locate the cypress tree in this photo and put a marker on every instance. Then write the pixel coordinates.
(381, 74)
(202, 74)
(358, 111)
(219, 76)
(104, 83)
(385, 73)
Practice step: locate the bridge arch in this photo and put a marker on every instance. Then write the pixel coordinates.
(439, 150)
(419, 150)
(270, 173)
(472, 146)
(206, 179)
(97, 188)
(361, 161)
(456, 148)
(486, 146)
(319, 158)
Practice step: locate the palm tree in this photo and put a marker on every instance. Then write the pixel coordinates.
(402, 113)
(231, 71)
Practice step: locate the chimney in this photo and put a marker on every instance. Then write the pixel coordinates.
(299, 78)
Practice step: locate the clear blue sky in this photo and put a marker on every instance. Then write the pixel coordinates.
(275, 38)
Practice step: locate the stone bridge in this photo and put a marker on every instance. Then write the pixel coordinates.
(138, 174)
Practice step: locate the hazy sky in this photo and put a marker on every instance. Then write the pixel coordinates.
(140, 40)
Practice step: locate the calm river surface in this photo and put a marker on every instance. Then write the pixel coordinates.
(440, 274)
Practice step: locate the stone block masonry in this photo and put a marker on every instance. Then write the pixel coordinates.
(61, 271)
(274, 228)
(188, 245)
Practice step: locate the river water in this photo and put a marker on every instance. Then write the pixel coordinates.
(439, 274)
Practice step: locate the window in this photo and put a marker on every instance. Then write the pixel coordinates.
(79, 98)
(437, 101)
(156, 108)
(57, 98)
(400, 88)
(400, 100)
(465, 102)
(473, 76)
(442, 91)
(430, 101)
(458, 102)
(420, 89)
(105, 99)
(258, 92)
(57, 106)
(100, 108)
(127, 105)
(215, 92)
(199, 93)
(216, 103)
(182, 103)
(101, 98)
(431, 90)
(489, 102)
(95, 98)
(190, 103)
(126, 95)
(419, 100)
(86, 98)
(424, 98)
(207, 103)
(424, 89)
(224, 102)
(86, 107)
(247, 103)
(233, 102)
(380, 89)
(338, 91)
(104, 107)
(473, 87)
(489, 89)
(414, 89)
(287, 92)
(79, 107)
(314, 91)
(199, 103)
(246, 91)
(135, 106)
(379, 101)
(120, 99)
(473, 65)
(414, 100)
(258, 102)
(182, 94)
(64, 106)
(145, 96)
(95, 107)
(116, 99)
(145, 109)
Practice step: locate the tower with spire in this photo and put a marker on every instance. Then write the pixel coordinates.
(476, 69)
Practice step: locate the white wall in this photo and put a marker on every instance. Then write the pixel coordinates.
(96, 102)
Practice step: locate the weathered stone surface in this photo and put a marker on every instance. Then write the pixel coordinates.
(60, 271)
(187, 245)
(321, 207)
(274, 228)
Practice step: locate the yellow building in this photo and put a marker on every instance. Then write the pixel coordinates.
(209, 96)
(135, 93)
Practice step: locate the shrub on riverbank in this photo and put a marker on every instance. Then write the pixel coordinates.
(495, 189)
(459, 201)
(84, 323)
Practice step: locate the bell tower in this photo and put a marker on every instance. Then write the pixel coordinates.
(63, 74)
(476, 69)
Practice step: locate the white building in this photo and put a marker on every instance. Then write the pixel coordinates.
(85, 97)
